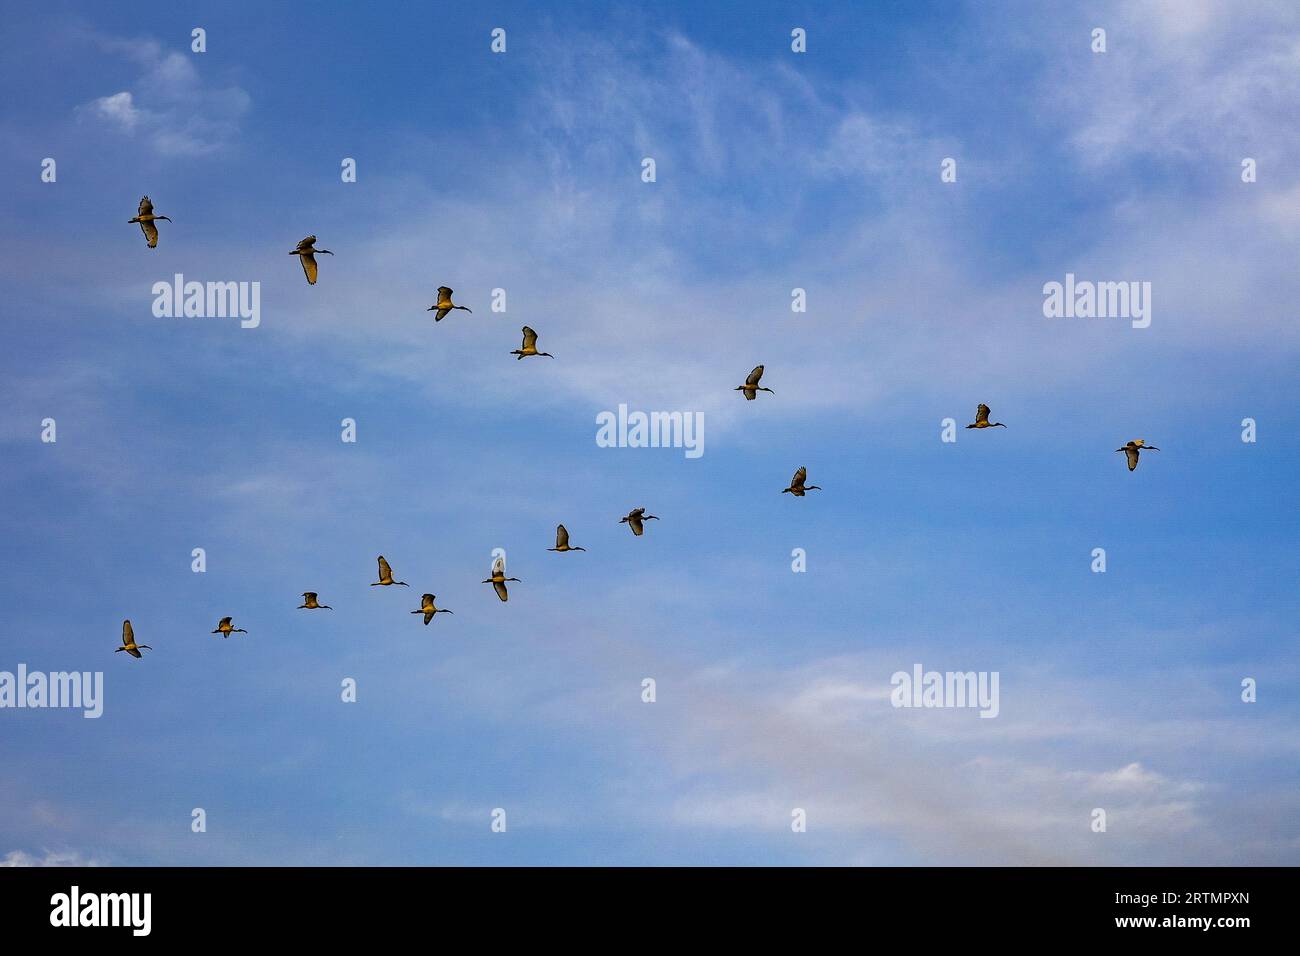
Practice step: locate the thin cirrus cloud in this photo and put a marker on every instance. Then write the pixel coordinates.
(1182, 80)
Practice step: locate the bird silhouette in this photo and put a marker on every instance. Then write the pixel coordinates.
(1133, 450)
(128, 641)
(445, 304)
(634, 519)
(146, 218)
(499, 579)
(530, 346)
(306, 253)
(309, 602)
(225, 629)
(428, 610)
(982, 419)
(797, 487)
(751, 388)
(386, 575)
(562, 540)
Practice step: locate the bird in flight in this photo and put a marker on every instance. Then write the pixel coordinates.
(225, 629)
(499, 579)
(797, 486)
(128, 641)
(306, 253)
(982, 419)
(1134, 449)
(445, 305)
(386, 575)
(751, 388)
(309, 602)
(562, 540)
(428, 610)
(146, 218)
(530, 346)
(634, 519)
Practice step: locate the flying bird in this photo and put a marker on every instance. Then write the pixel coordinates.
(428, 610)
(309, 602)
(445, 305)
(128, 641)
(1134, 449)
(146, 218)
(751, 388)
(225, 630)
(634, 519)
(982, 419)
(530, 346)
(797, 487)
(307, 254)
(386, 575)
(562, 540)
(499, 579)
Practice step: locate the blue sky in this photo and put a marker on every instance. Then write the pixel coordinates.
(775, 170)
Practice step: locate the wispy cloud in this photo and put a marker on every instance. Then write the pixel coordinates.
(48, 858)
(170, 107)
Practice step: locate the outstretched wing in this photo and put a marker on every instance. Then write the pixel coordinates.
(442, 314)
(634, 522)
(1131, 453)
(128, 633)
(530, 339)
(444, 294)
(146, 207)
(981, 414)
(499, 567)
(426, 601)
(150, 233)
(309, 597)
(561, 536)
(385, 571)
(223, 622)
(500, 588)
(307, 243)
(754, 376)
(799, 478)
(134, 651)
(308, 267)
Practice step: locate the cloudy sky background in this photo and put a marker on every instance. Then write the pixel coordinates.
(775, 171)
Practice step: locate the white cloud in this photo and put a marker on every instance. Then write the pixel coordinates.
(118, 109)
(48, 858)
(170, 105)
(1181, 79)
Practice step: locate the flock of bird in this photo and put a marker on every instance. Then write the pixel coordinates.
(306, 252)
